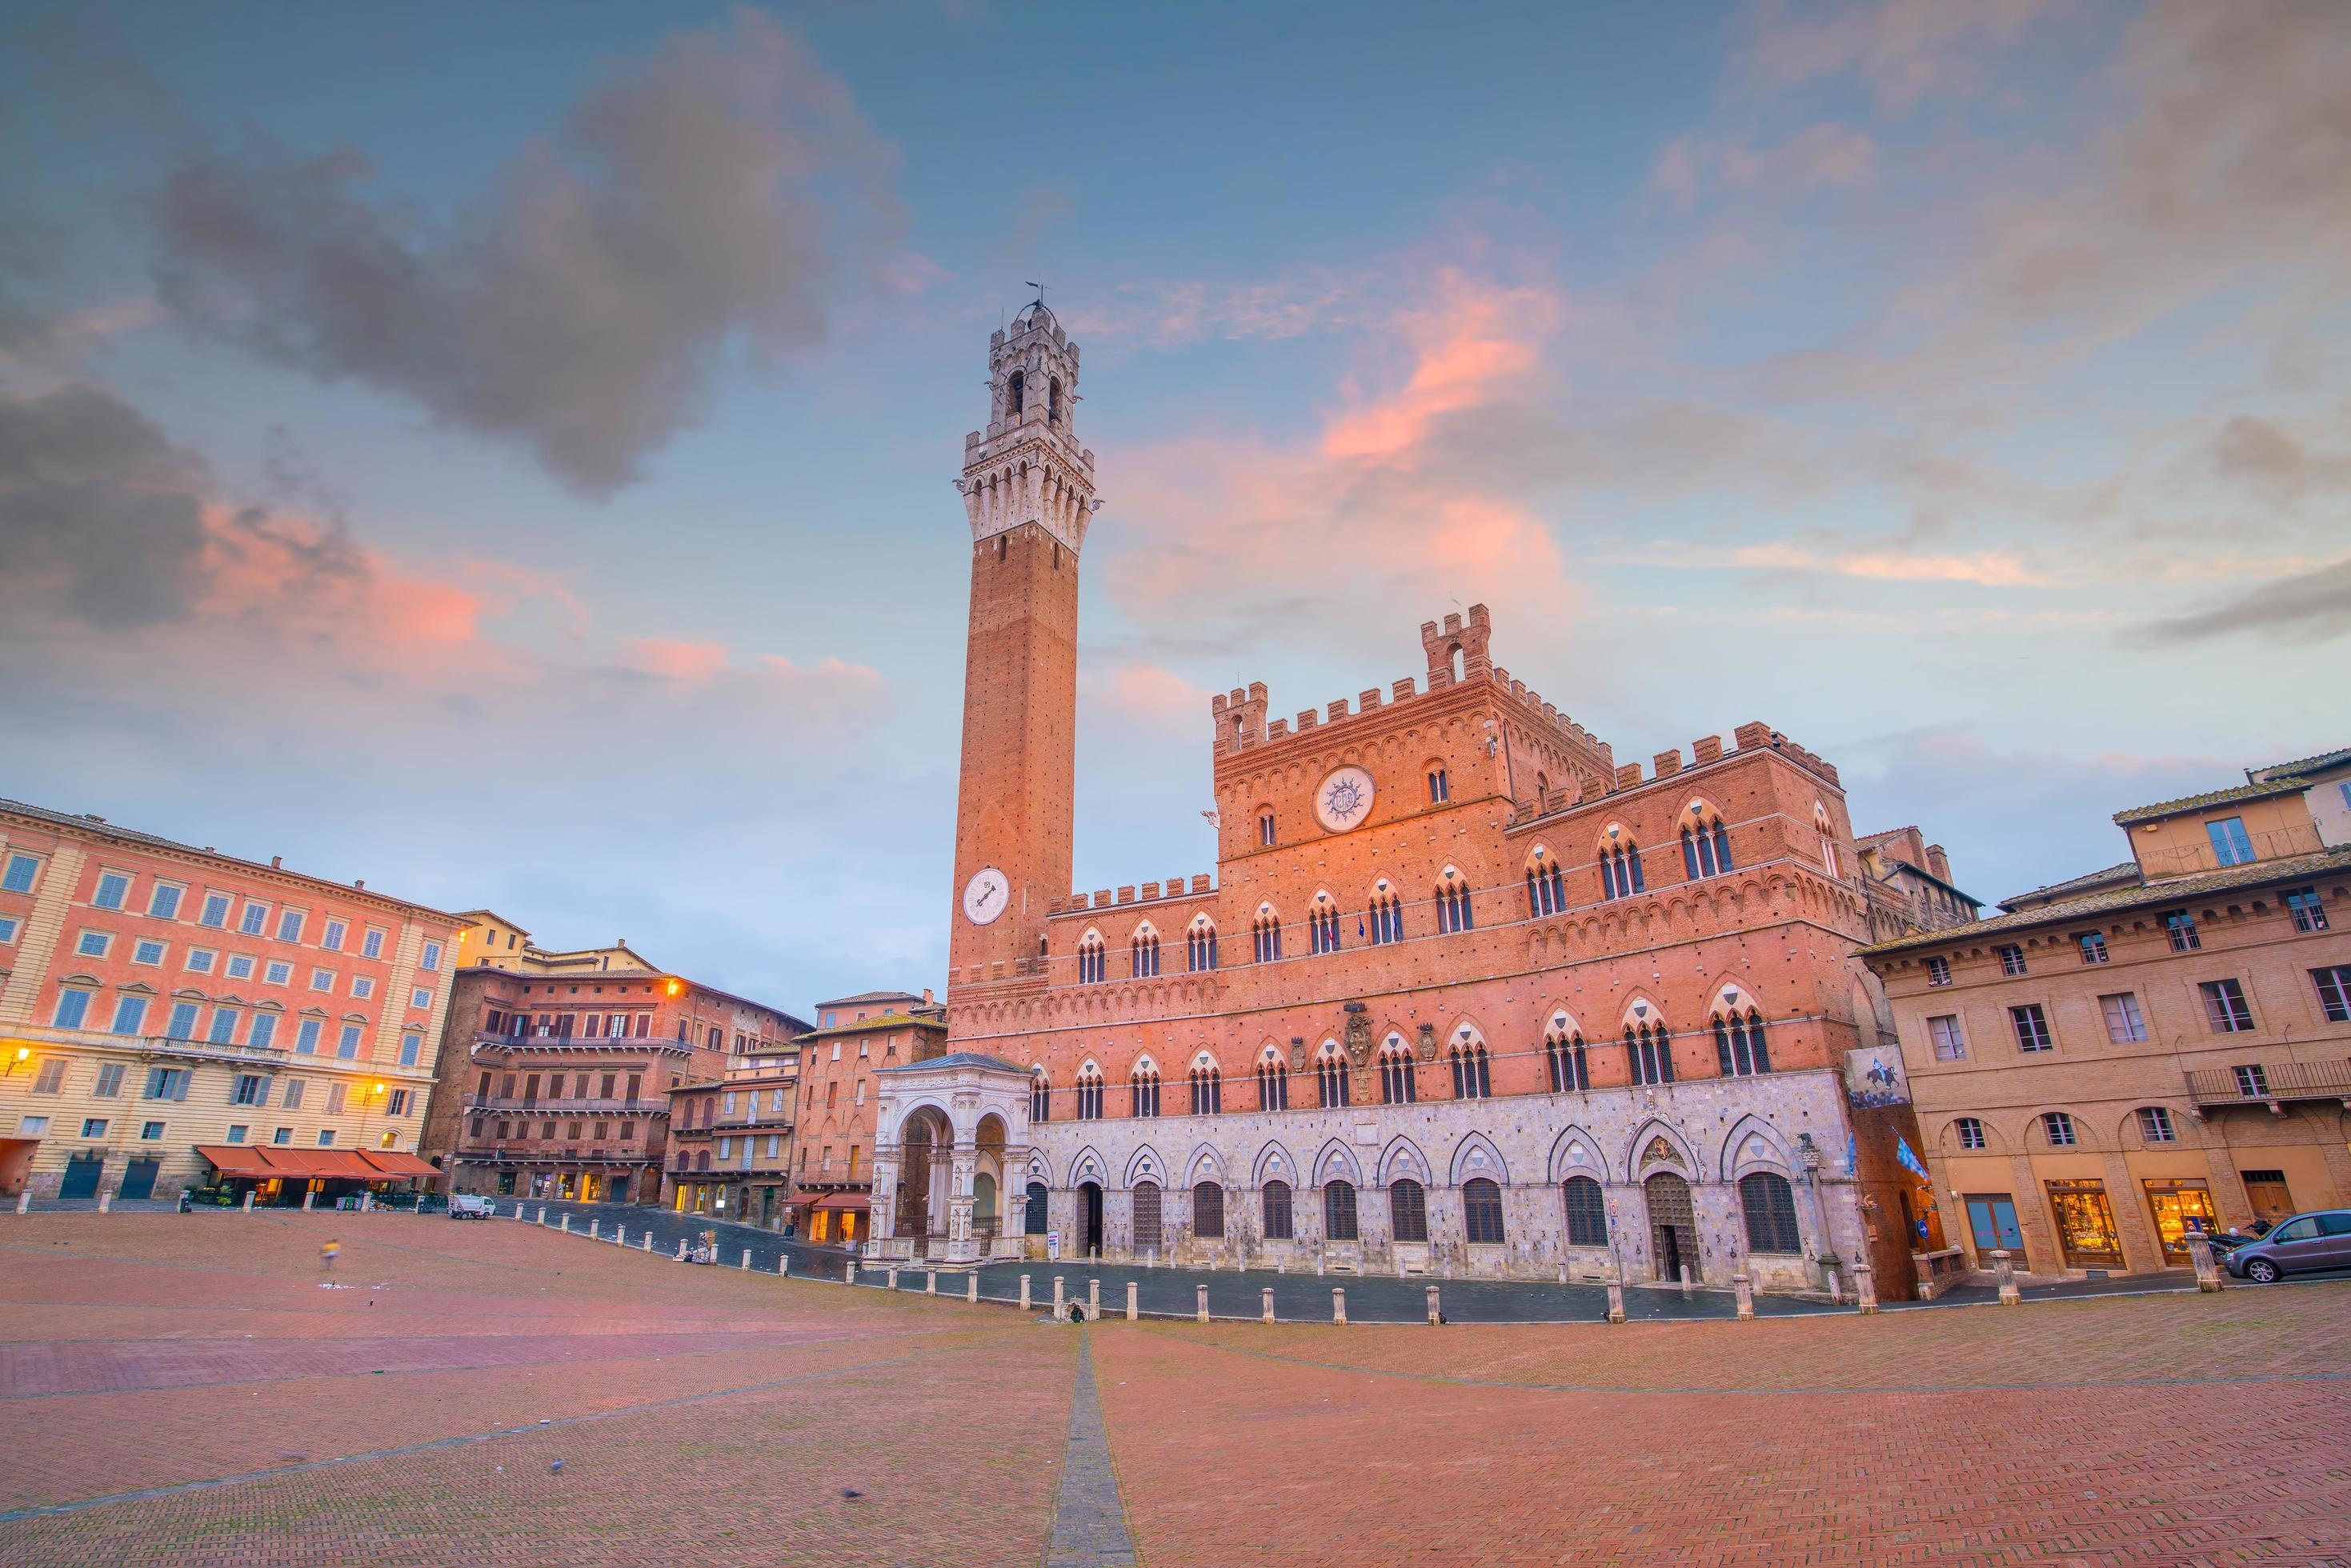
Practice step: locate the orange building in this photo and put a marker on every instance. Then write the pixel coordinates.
(173, 1016)
(730, 1142)
(855, 1038)
(1463, 994)
(2159, 1044)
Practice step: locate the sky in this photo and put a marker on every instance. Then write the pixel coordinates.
(504, 454)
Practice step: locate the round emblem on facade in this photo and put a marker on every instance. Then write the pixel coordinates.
(1343, 799)
(984, 896)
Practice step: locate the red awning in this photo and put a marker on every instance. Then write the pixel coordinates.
(852, 1202)
(393, 1163)
(237, 1159)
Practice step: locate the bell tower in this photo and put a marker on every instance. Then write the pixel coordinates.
(1028, 491)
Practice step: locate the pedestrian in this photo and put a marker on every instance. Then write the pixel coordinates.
(328, 1253)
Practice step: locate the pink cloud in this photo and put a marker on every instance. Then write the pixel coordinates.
(1469, 341)
(674, 658)
(1990, 568)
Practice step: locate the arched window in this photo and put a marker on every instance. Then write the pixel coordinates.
(1650, 1050)
(1396, 1085)
(1387, 914)
(1770, 1205)
(1092, 964)
(1146, 1216)
(1144, 950)
(1739, 1046)
(1040, 1096)
(2059, 1125)
(1209, 1211)
(1454, 912)
(1053, 400)
(1481, 1212)
(1587, 1213)
(1339, 1211)
(1200, 945)
(701, 1160)
(1090, 1095)
(1036, 1216)
(1275, 1200)
(1972, 1133)
(1408, 1210)
(1620, 872)
(1471, 1080)
(1268, 934)
(1145, 1087)
(1272, 1085)
(1016, 394)
(1322, 923)
(1330, 1077)
(1207, 1091)
(1546, 885)
(1570, 1068)
(1828, 840)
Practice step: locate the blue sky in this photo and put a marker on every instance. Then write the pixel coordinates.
(504, 454)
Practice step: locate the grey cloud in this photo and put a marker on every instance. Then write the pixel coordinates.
(2312, 606)
(100, 514)
(725, 193)
(2272, 461)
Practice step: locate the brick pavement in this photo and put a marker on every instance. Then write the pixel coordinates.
(708, 1416)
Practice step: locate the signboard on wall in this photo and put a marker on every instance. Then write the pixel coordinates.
(1053, 1246)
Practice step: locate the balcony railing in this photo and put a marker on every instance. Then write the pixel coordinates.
(2270, 1083)
(506, 1105)
(165, 1045)
(614, 1046)
(2271, 844)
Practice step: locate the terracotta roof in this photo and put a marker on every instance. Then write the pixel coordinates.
(871, 996)
(2216, 797)
(928, 1020)
(956, 1059)
(2171, 890)
(1889, 833)
(2303, 764)
(2088, 881)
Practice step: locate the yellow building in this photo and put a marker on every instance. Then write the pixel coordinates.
(489, 941)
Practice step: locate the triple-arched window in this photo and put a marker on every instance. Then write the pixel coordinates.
(1339, 1211)
(1397, 1085)
(1094, 965)
(1145, 1085)
(1471, 1077)
(1571, 1068)
(1546, 885)
(1207, 1091)
(1090, 1094)
(1207, 1210)
(1620, 872)
(1481, 1212)
(1454, 912)
(1200, 945)
(1323, 922)
(1387, 916)
(1275, 1202)
(1739, 1046)
(1040, 1096)
(1145, 950)
(1650, 1050)
(1330, 1077)
(1266, 931)
(1770, 1206)
(1408, 1210)
(1272, 1086)
(1706, 847)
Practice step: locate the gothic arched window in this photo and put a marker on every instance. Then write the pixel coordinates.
(1040, 1096)
(1481, 1212)
(1272, 1086)
(1396, 1085)
(1093, 960)
(1208, 1211)
(1090, 1095)
(1339, 1211)
(1053, 400)
(1587, 1213)
(1470, 1078)
(1145, 1089)
(1770, 1206)
(1408, 1210)
(1275, 1199)
(1331, 1078)
(1650, 1050)
(1323, 922)
(1706, 846)
(1143, 951)
(1620, 872)
(1268, 934)
(1546, 885)
(1570, 1068)
(1207, 1091)
(1453, 908)
(1016, 394)
(1387, 916)
(1739, 1047)
(1200, 945)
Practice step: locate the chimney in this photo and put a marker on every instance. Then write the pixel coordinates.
(277, 863)
(361, 883)
(926, 996)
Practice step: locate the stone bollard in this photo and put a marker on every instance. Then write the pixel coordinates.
(307, 1196)
(930, 1282)
(1093, 1300)
(1130, 1301)
(542, 1213)
(2199, 1251)
(1686, 1279)
(971, 1287)
(1865, 1289)
(747, 1257)
(1200, 1300)
(1265, 1304)
(1435, 1313)
(1318, 1265)
(1615, 1297)
(595, 1229)
(105, 1201)
(1745, 1288)
(849, 1272)
(649, 1238)
(681, 1249)
(25, 1201)
(566, 1224)
(1024, 1294)
(1338, 1305)
(620, 1235)
(2003, 1271)
(1836, 1288)
(1061, 1300)
(248, 1203)
(890, 1279)
(783, 1265)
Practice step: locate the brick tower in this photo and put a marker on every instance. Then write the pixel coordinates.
(1028, 489)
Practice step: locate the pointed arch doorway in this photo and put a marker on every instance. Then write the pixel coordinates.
(1673, 1225)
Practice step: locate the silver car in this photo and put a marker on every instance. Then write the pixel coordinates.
(2303, 1244)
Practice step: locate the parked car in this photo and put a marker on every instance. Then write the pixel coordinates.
(2305, 1243)
(471, 1206)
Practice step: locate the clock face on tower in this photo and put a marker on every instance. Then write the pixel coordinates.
(984, 896)
(1343, 799)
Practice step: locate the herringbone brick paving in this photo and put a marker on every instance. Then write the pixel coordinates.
(708, 1416)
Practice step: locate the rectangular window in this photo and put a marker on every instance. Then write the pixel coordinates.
(2333, 992)
(7, 928)
(22, 869)
(257, 919)
(2252, 1081)
(1950, 1046)
(294, 1094)
(335, 1094)
(1939, 970)
(164, 901)
(290, 925)
(236, 1131)
(112, 889)
(2011, 960)
(166, 1083)
(1265, 830)
(250, 1089)
(93, 944)
(411, 1047)
(240, 966)
(73, 1009)
(2032, 1027)
(331, 939)
(51, 1077)
(306, 1036)
(2225, 1008)
(325, 1138)
(2092, 945)
(93, 1127)
(2124, 1026)
(371, 944)
(148, 951)
(362, 987)
(420, 997)
(279, 972)
(2229, 845)
(2309, 914)
(109, 1081)
(397, 1104)
(430, 959)
(2060, 1127)
(151, 1132)
(32, 1127)
(283, 1134)
(216, 912)
(2181, 926)
(263, 1032)
(1440, 788)
(2155, 1125)
(130, 1015)
(322, 979)
(200, 961)
(348, 1046)
(184, 1022)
